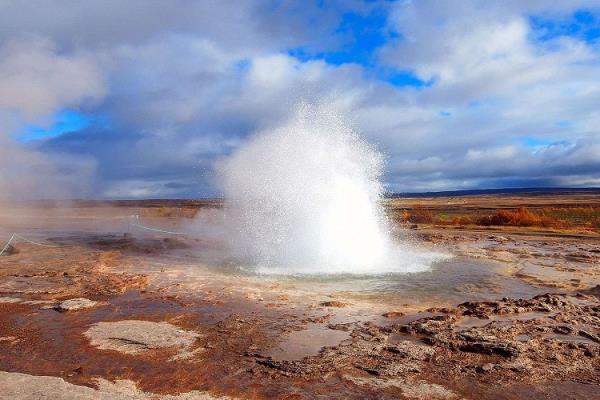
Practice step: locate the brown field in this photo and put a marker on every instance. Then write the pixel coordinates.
(569, 213)
(92, 308)
(576, 212)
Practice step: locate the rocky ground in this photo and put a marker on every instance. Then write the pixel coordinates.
(551, 260)
(88, 320)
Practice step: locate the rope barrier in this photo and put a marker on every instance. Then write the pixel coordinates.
(156, 230)
(17, 236)
(7, 244)
(36, 243)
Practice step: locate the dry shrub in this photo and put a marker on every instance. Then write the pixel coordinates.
(418, 215)
(462, 220)
(573, 215)
(405, 216)
(521, 217)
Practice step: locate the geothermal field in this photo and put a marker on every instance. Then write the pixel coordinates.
(95, 304)
(299, 199)
(305, 281)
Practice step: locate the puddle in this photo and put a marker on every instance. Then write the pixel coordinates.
(307, 342)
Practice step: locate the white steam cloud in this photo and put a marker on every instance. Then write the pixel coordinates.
(306, 198)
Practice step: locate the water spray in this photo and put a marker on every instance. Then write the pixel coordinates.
(306, 197)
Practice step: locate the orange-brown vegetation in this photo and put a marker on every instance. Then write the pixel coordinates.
(522, 216)
(544, 217)
(418, 215)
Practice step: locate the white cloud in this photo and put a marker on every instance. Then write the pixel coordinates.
(184, 82)
(35, 80)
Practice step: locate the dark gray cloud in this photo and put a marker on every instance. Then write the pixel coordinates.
(241, 27)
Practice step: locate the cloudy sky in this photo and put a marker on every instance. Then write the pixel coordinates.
(139, 98)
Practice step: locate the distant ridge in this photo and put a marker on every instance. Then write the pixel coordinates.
(218, 201)
(504, 191)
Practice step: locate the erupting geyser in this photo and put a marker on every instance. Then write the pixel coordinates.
(305, 197)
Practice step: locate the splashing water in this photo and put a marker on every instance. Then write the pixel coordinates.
(306, 198)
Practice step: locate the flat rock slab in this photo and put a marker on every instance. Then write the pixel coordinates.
(419, 390)
(15, 300)
(134, 337)
(28, 387)
(75, 304)
(412, 350)
(427, 391)
(10, 300)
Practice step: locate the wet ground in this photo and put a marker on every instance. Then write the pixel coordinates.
(508, 317)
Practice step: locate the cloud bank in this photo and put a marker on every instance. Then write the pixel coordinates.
(455, 94)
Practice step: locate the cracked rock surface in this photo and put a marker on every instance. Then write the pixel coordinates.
(133, 336)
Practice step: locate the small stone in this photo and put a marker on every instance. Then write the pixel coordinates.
(75, 304)
(590, 336)
(369, 370)
(517, 366)
(486, 367)
(333, 303)
(393, 314)
(563, 330)
(488, 344)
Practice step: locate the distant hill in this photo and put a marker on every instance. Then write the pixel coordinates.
(507, 191)
(218, 202)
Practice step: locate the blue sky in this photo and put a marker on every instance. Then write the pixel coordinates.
(580, 23)
(456, 94)
(62, 122)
